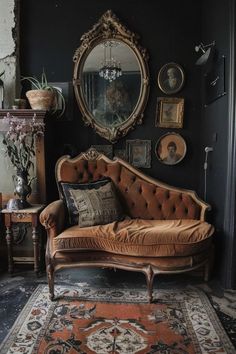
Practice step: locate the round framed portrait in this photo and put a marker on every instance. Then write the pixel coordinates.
(171, 78)
(170, 148)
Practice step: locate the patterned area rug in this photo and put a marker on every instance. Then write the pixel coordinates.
(226, 310)
(84, 320)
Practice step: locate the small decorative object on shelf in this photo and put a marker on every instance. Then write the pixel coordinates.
(19, 142)
(1, 91)
(20, 103)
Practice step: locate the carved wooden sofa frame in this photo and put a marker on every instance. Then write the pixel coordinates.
(145, 198)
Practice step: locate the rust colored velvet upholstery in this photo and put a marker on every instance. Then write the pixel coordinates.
(164, 231)
(141, 199)
(143, 238)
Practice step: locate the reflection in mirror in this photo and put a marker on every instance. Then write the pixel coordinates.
(111, 82)
(111, 78)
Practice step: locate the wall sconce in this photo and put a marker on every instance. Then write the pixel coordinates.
(206, 50)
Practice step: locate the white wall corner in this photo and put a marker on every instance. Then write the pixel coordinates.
(9, 51)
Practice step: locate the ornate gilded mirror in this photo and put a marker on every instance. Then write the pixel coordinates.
(111, 79)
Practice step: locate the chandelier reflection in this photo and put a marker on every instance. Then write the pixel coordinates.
(110, 69)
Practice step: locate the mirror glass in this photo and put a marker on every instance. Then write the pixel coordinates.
(111, 99)
(111, 78)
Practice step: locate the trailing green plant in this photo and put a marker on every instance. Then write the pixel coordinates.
(42, 84)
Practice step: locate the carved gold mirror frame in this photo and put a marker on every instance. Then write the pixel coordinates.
(110, 30)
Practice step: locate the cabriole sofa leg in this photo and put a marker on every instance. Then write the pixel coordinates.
(50, 274)
(149, 278)
(207, 271)
(209, 266)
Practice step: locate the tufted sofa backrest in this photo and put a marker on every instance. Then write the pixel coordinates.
(141, 196)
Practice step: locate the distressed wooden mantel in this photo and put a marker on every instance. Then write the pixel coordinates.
(23, 113)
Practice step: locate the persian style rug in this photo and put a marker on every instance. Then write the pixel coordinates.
(85, 320)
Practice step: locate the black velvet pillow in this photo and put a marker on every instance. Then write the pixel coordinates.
(93, 203)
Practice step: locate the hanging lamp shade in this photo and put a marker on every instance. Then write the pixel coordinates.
(206, 51)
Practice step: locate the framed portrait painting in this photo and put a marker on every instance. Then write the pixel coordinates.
(139, 152)
(170, 149)
(169, 112)
(171, 78)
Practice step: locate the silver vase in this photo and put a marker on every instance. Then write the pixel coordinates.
(22, 188)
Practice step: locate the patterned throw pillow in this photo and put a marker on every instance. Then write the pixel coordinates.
(94, 203)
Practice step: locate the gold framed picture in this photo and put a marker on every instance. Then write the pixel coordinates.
(170, 78)
(139, 152)
(170, 148)
(169, 112)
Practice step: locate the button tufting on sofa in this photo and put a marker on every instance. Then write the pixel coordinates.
(164, 230)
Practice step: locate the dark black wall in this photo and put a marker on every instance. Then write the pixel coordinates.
(50, 33)
(216, 25)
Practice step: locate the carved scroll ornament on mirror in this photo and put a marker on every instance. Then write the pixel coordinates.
(111, 78)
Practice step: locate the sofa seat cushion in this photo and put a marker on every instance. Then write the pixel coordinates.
(137, 237)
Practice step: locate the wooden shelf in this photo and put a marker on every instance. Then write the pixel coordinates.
(23, 113)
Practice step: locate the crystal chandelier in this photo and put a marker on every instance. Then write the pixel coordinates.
(110, 69)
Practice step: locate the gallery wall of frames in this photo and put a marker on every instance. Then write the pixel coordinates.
(170, 148)
(111, 82)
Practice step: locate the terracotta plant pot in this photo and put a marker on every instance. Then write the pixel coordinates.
(40, 99)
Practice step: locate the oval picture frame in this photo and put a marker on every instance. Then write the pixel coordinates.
(171, 78)
(170, 148)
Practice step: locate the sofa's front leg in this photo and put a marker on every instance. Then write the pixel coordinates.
(50, 275)
(149, 278)
(207, 271)
(209, 265)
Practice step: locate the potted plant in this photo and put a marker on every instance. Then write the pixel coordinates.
(44, 96)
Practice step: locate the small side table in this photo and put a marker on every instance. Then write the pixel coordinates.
(29, 215)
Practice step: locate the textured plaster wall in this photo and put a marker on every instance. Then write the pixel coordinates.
(8, 49)
(9, 64)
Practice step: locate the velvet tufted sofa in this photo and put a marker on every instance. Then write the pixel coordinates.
(165, 230)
